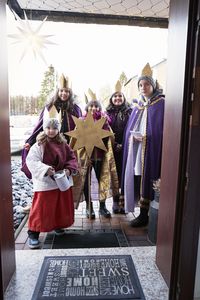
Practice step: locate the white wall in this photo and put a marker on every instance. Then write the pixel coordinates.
(159, 73)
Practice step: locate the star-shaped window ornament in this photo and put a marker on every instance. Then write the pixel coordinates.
(30, 38)
(89, 134)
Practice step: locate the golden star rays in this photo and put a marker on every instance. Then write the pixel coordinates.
(31, 39)
(89, 134)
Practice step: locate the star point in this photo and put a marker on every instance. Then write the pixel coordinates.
(89, 134)
(31, 39)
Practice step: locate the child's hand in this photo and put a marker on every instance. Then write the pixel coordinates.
(138, 138)
(135, 139)
(67, 172)
(118, 147)
(51, 171)
(89, 162)
(27, 146)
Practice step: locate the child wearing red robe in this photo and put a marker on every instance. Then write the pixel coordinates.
(51, 209)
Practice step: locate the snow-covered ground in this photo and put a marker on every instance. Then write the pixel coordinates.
(21, 128)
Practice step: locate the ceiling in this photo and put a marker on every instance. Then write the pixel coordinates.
(152, 13)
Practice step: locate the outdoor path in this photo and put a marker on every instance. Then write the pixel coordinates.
(28, 267)
(135, 236)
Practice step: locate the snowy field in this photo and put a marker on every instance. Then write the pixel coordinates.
(21, 128)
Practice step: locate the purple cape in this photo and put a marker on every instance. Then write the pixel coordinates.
(152, 155)
(119, 116)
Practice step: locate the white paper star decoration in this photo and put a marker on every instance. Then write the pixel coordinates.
(30, 38)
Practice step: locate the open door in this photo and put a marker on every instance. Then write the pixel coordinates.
(7, 246)
(179, 215)
(182, 284)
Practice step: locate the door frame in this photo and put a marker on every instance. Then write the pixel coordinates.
(7, 243)
(174, 258)
(178, 204)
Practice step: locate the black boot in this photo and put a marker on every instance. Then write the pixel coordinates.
(118, 205)
(121, 205)
(103, 210)
(88, 215)
(142, 219)
(115, 207)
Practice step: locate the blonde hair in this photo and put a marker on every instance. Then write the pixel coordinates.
(42, 138)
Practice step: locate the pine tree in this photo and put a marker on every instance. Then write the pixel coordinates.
(47, 86)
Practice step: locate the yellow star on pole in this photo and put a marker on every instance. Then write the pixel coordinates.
(89, 134)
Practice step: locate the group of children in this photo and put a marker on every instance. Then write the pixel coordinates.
(47, 151)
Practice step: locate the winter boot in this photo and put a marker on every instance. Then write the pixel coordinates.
(88, 215)
(118, 204)
(103, 210)
(115, 207)
(142, 219)
(121, 205)
(33, 240)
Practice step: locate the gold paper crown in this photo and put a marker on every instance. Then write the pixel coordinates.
(64, 82)
(92, 94)
(118, 86)
(52, 113)
(147, 71)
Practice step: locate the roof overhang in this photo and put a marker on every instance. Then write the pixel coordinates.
(145, 13)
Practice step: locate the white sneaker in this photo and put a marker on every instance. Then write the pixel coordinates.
(59, 231)
(33, 243)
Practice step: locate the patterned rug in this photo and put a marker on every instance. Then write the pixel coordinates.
(88, 277)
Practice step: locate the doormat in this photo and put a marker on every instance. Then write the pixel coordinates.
(86, 239)
(88, 277)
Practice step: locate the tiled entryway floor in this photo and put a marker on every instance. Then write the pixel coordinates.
(135, 236)
(28, 265)
(143, 253)
(28, 262)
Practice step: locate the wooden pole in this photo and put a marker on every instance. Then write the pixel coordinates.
(89, 191)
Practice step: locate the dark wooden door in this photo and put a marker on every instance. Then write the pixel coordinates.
(179, 215)
(7, 250)
(182, 284)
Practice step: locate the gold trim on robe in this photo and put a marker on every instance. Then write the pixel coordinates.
(108, 185)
